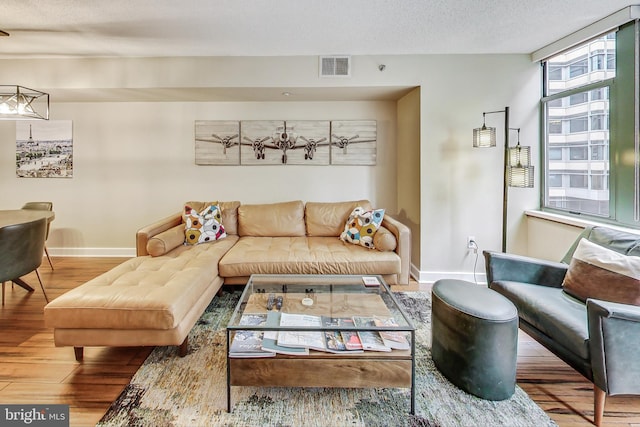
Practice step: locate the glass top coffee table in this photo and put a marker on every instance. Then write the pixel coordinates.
(320, 331)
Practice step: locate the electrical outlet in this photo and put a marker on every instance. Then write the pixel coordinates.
(471, 242)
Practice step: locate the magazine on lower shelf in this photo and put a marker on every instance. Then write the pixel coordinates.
(249, 343)
(313, 340)
(270, 339)
(394, 339)
(371, 340)
(341, 341)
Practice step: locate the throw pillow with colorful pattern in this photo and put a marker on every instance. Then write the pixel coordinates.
(202, 227)
(362, 226)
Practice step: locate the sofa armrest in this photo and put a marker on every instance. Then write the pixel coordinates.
(614, 338)
(403, 249)
(516, 268)
(144, 234)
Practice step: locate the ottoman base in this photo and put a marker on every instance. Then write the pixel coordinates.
(474, 338)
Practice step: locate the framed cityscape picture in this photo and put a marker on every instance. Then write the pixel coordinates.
(44, 149)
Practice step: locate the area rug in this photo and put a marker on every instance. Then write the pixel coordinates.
(169, 390)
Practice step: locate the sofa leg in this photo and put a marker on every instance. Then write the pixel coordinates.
(184, 347)
(79, 352)
(599, 397)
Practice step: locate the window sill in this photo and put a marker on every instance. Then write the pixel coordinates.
(575, 222)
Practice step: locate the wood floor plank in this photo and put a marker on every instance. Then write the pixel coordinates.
(30, 364)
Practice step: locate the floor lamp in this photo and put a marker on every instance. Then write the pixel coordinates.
(517, 169)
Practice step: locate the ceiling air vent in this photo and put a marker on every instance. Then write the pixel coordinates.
(335, 66)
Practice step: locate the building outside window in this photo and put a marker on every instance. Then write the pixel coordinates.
(576, 121)
(591, 130)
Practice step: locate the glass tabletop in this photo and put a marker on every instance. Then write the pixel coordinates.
(365, 298)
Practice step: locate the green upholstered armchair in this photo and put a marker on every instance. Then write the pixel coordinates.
(599, 339)
(22, 247)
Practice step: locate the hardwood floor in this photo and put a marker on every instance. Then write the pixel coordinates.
(33, 370)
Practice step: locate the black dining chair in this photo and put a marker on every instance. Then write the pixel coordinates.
(42, 206)
(21, 249)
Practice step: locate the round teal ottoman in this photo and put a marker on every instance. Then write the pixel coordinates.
(474, 338)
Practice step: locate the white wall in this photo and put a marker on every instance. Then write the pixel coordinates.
(134, 161)
(462, 186)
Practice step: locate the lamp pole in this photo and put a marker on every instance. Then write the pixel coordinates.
(479, 143)
(505, 190)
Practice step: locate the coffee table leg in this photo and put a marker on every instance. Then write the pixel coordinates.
(228, 376)
(413, 373)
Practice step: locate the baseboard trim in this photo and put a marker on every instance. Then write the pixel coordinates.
(433, 276)
(419, 276)
(93, 252)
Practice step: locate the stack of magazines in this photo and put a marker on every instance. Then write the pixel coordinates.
(294, 342)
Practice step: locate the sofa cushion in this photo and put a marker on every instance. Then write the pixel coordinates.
(141, 293)
(361, 226)
(229, 213)
(601, 273)
(328, 219)
(272, 220)
(304, 255)
(203, 226)
(551, 311)
(163, 242)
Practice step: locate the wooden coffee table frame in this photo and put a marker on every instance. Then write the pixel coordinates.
(395, 369)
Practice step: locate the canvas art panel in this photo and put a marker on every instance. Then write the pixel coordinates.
(353, 142)
(310, 142)
(44, 149)
(217, 142)
(264, 142)
(282, 142)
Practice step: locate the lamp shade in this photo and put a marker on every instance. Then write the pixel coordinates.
(21, 103)
(520, 176)
(519, 156)
(484, 137)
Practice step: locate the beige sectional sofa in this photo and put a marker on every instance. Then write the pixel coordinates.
(156, 297)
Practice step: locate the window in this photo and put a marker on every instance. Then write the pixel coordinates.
(555, 153)
(598, 182)
(578, 98)
(556, 104)
(578, 181)
(578, 124)
(578, 68)
(599, 122)
(555, 180)
(555, 126)
(598, 150)
(578, 153)
(599, 94)
(590, 162)
(555, 73)
(579, 107)
(597, 62)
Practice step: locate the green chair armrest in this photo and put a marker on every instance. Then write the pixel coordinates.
(516, 268)
(614, 340)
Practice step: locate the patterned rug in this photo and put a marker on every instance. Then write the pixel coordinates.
(191, 391)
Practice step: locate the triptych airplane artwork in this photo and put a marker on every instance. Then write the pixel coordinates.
(277, 142)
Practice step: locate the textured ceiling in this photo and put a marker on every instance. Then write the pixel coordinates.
(84, 28)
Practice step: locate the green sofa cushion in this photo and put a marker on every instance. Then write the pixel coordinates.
(552, 311)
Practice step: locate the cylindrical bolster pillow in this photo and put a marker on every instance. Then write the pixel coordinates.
(384, 240)
(163, 242)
